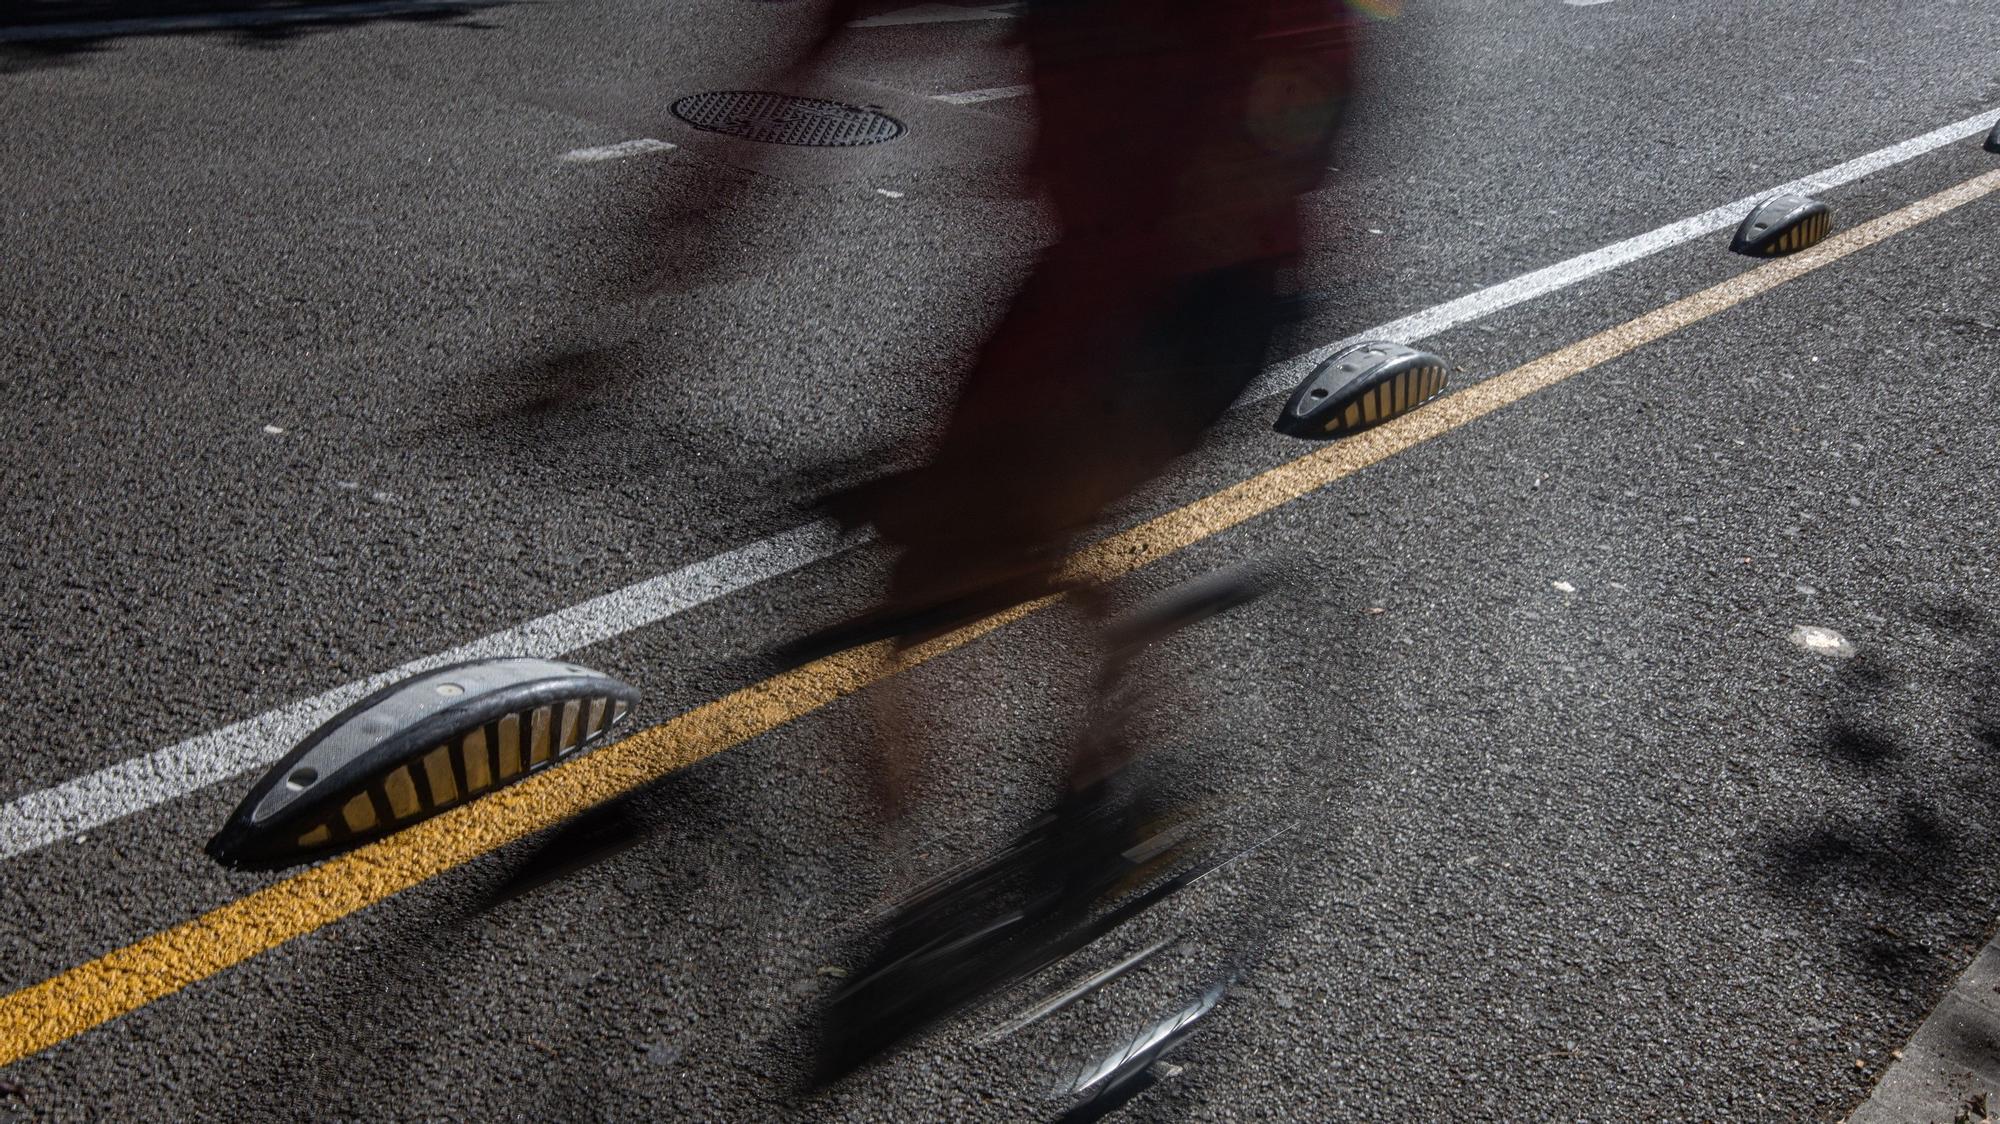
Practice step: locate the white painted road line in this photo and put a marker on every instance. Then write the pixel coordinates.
(973, 97)
(166, 25)
(43, 817)
(618, 151)
(934, 13)
(1561, 275)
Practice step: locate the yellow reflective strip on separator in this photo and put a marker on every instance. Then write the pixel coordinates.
(40, 1015)
(437, 770)
(478, 766)
(572, 724)
(538, 736)
(401, 789)
(509, 731)
(359, 812)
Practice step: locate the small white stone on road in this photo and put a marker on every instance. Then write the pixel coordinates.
(887, 192)
(274, 430)
(1823, 641)
(1563, 587)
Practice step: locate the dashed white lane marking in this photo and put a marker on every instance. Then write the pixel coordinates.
(885, 192)
(1563, 274)
(42, 817)
(162, 25)
(1585, 3)
(933, 13)
(618, 151)
(973, 97)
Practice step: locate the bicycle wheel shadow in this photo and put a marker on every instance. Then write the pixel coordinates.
(1904, 830)
(37, 34)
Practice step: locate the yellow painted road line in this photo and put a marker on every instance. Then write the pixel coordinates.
(41, 1015)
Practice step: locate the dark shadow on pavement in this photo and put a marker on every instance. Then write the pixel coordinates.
(377, 1008)
(1904, 831)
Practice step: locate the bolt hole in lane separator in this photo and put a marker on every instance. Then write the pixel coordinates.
(43, 1014)
(42, 817)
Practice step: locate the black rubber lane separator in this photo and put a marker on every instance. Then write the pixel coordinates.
(1783, 224)
(417, 748)
(1361, 387)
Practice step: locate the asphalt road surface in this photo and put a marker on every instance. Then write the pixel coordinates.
(1581, 831)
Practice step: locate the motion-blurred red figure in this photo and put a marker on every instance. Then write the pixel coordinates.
(1176, 139)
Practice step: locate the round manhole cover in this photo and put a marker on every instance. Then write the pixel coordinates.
(784, 119)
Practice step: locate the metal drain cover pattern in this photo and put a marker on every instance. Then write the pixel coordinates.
(785, 119)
